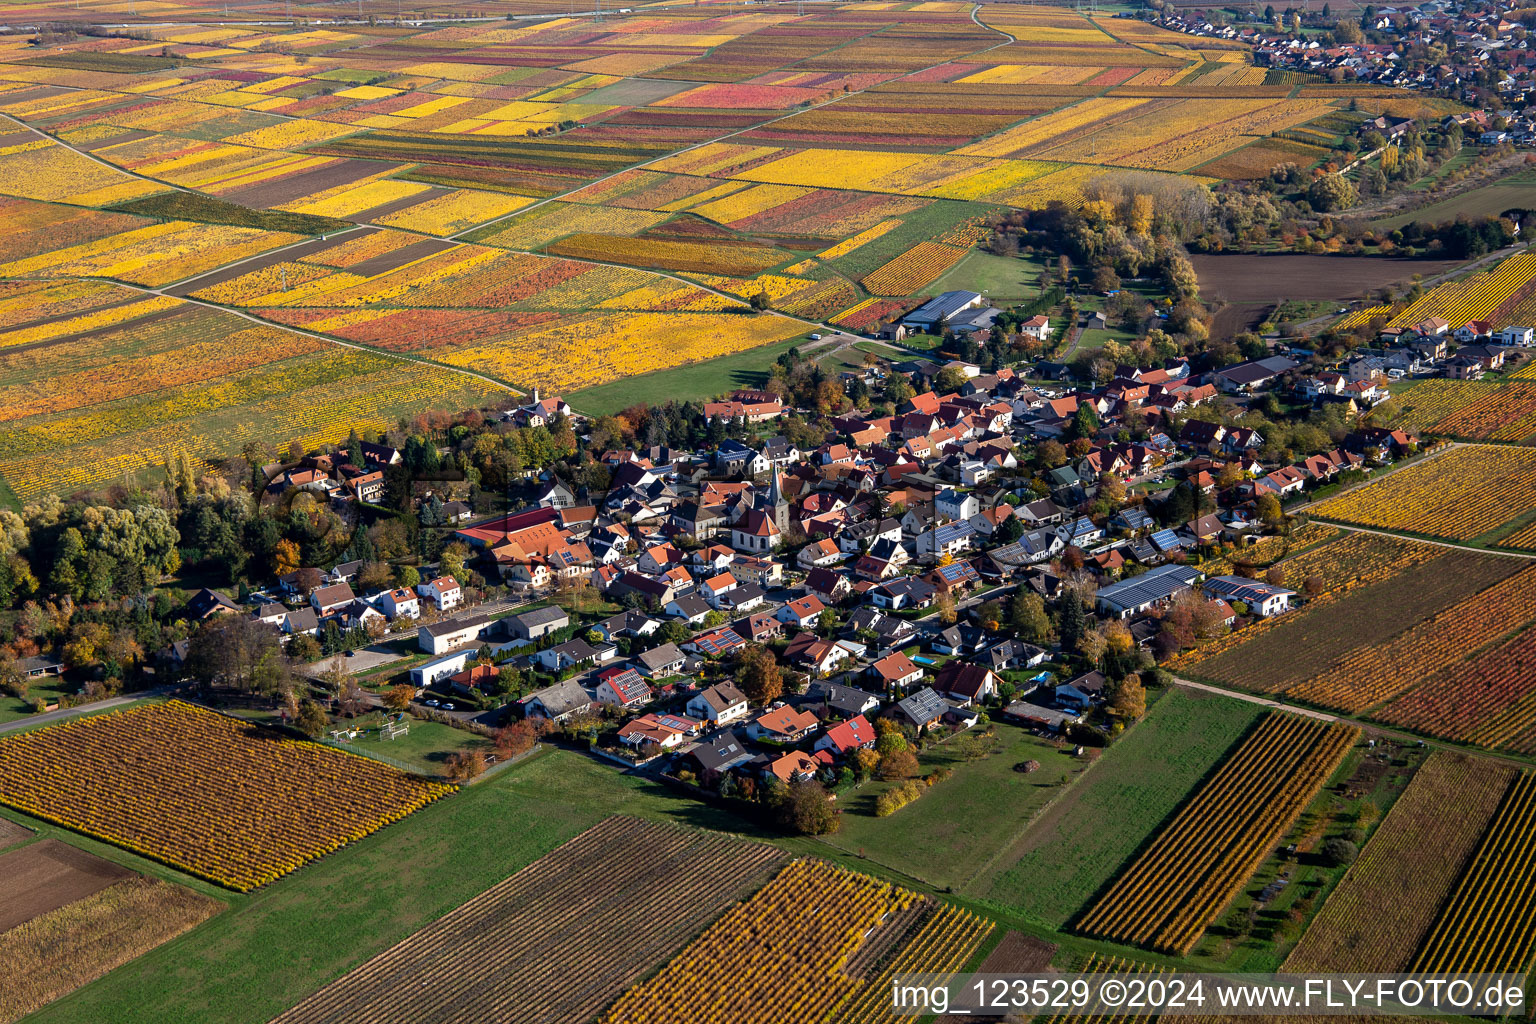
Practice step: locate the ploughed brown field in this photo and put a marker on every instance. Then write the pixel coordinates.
(12, 833)
(1252, 285)
(48, 875)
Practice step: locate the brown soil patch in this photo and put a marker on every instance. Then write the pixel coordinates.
(1241, 278)
(1016, 954)
(385, 262)
(1019, 954)
(271, 259)
(12, 833)
(306, 183)
(45, 876)
(395, 206)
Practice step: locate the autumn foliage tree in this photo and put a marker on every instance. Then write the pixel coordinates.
(758, 675)
(803, 807)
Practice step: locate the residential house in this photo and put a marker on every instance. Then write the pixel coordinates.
(622, 687)
(1263, 599)
(444, 592)
(720, 704)
(1084, 691)
(1152, 588)
(845, 737)
(538, 622)
(665, 731)
(559, 702)
(896, 671)
(783, 724)
(400, 604)
(328, 599)
(801, 613)
(833, 700)
(966, 683)
(661, 662)
(570, 654)
(441, 637)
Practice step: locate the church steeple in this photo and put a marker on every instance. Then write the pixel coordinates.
(778, 503)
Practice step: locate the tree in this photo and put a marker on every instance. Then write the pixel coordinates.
(1331, 192)
(1129, 698)
(898, 764)
(517, 738)
(802, 807)
(888, 738)
(462, 766)
(312, 720)
(759, 676)
(946, 607)
(1339, 851)
(1085, 422)
(238, 651)
(285, 557)
(398, 698)
(1269, 510)
(950, 379)
(1027, 618)
(864, 762)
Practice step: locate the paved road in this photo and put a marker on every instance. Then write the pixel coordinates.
(48, 717)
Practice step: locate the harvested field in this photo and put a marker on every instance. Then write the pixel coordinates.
(1019, 954)
(1242, 278)
(559, 939)
(12, 833)
(1378, 915)
(57, 952)
(48, 875)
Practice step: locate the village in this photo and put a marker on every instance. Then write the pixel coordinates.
(754, 614)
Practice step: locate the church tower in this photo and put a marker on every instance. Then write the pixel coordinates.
(779, 506)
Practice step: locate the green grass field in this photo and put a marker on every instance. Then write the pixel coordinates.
(1001, 278)
(1079, 844)
(696, 382)
(1516, 191)
(424, 749)
(964, 821)
(48, 690)
(277, 945)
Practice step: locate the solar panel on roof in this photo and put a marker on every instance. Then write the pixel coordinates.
(1166, 538)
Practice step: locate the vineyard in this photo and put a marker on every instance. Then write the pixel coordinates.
(1098, 964)
(1461, 493)
(559, 939)
(210, 795)
(526, 194)
(1370, 584)
(1489, 925)
(782, 955)
(1377, 672)
(1377, 917)
(1475, 297)
(1488, 700)
(945, 942)
(1198, 861)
